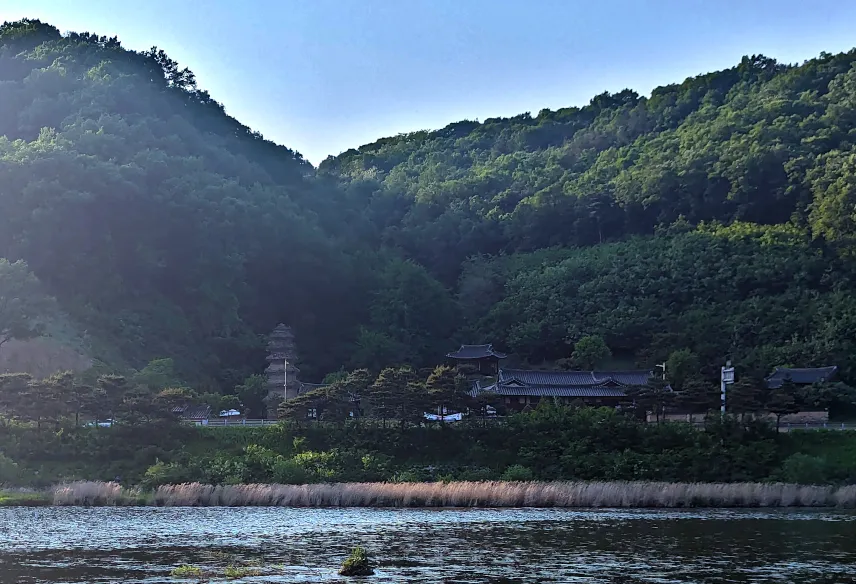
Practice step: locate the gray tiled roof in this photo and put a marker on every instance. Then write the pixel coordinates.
(554, 391)
(189, 412)
(802, 376)
(581, 378)
(476, 352)
(524, 382)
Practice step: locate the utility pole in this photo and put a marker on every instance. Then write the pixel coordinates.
(726, 377)
(285, 379)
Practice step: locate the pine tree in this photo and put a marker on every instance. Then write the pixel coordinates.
(782, 400)
(697, 396)
(446, 390)
(14, 395)
(655, 398)
(745, 396)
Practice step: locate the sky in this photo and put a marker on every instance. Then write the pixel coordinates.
(323, 76)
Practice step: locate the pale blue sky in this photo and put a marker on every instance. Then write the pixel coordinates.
(322, 76)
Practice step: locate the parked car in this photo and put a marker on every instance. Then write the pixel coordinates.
(446, 418)
(100, 424)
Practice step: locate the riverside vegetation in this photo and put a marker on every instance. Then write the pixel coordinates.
(463, 494)
(147, 230)
(552, 442)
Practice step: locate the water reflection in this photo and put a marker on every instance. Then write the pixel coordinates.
(54, 545)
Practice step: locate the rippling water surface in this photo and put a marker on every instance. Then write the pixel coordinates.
(478, 545)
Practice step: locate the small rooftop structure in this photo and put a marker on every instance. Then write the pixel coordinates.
(800, 376)
(484, 357)
(472, 352)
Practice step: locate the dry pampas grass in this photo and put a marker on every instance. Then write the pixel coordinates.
(466, 494)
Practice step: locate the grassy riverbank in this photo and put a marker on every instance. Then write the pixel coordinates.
(25, 498)
(464, 494)
(547, 444)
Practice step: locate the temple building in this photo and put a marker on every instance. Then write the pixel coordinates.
(483, 357)
(521, 388)
(800, 376)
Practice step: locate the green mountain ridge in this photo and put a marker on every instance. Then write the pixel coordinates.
(715, 216)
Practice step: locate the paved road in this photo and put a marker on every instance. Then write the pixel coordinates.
(783, 428)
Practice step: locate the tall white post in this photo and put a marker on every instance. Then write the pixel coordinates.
(726, 376)
(285, 379)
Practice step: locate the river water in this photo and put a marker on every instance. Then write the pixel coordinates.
(408, 545)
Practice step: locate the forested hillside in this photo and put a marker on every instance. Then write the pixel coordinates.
(164, 227)
(715, 216)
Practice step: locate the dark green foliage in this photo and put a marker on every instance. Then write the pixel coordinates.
(548, 443)
(25, 499)
(743, 143)
(64, 400)
(24, 307)
(152, 215)
(9, 473)
(446, 389)
(357, 564)
(711, 220)
(698, 396)
(251, 395)
(682, 368)
(517, 472)
(589, 352)
(736, 182)
(804, 469)
(764, 295)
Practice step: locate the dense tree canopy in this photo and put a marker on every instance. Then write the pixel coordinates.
(761, 142)
(163, 226)
(714, 218)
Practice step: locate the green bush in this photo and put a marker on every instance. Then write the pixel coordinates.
(187, 571)
(517, 472)
(550, 443)
(476, 474)
(25, 499)
(236, 572)
(260, 463)
(376, 466)
(161, 473)
(224, 469)
(9, 472)
(411, 476)
(319, 466)
(289, 472)
(357, 564)
(804, 469)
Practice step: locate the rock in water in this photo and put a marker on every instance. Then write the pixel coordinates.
(357, 564)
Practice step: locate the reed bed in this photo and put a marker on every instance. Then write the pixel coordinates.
(466, 494)
(97, 494)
